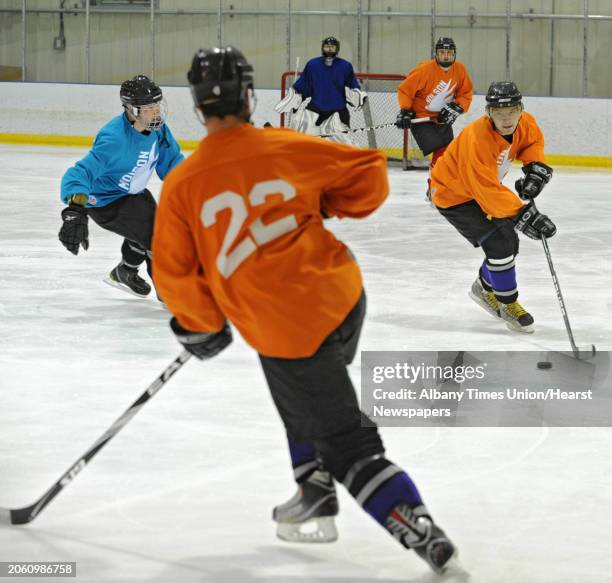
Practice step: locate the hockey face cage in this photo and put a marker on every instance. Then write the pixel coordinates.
(143, 100)
(330, 40)
(151, 116)
(445, 43)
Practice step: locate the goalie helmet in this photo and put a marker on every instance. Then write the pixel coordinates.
(330, 40)
(503, 94)
(446, 43)
(142, 98)
(221, 80)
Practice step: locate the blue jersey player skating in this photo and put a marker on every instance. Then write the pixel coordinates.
(109, 184)
(319, 97)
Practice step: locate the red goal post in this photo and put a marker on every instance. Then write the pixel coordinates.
(381, 108)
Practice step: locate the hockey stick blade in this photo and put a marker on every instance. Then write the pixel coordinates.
(29, 513)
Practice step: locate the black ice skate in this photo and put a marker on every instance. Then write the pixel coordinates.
(516, 317)
(308, 516)
(414, 528)
(485, 299)
(127, 279)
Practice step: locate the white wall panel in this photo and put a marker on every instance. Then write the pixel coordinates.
(73, 110)
(121, 43)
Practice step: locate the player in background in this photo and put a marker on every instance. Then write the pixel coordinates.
(467, 189)
(239, 237)
(441, 89)
(109, 184)
(321, 94)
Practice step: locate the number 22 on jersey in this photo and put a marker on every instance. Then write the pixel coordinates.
(261, 234)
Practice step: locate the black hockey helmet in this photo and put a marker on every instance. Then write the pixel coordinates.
(503, 94)
(140, 90)
(140, 93)
(330, 40)
(445, 42)
(220, 79)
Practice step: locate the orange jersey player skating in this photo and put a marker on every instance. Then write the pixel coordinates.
(467, 190)
(428, 87)
(260, 238)
(239, 236)
(440, 89)
(476, 162)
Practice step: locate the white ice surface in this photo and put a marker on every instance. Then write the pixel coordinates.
(185, 491)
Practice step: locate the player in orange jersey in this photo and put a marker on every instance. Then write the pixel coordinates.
(440, 88)
(239, 236)
(466, 188)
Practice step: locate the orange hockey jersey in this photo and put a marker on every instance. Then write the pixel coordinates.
(239, 235)
(428, 87)
(476, 161)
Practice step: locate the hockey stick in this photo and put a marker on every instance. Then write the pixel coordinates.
(289, 114)
(585, 352)
(29, 513)
(385, 125)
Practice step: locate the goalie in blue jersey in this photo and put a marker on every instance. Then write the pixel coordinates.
(109, 184)
(319, 98)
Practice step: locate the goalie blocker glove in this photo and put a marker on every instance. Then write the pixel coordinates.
(533, 223)
(537, 176)
(449, 113)
(202, 344)
(75, 230)
(404, 118)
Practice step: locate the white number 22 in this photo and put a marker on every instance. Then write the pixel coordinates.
(227, 263)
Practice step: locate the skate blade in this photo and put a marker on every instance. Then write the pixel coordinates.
(518, 328)
(484, 305)
(454, 571)
(122, 287)
(316, 530)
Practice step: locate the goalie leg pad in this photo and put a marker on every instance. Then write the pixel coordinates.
(305, 121)
(335, 130)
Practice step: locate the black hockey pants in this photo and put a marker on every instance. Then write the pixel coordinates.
(317, 402)
(132, 217)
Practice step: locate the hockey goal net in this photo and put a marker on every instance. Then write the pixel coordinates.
(380, 109)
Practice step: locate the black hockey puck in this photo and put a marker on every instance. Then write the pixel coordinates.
(544, 365)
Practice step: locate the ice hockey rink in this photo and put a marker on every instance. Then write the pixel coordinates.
(185, 491)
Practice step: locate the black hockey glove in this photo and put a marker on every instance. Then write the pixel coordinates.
(404, 117)
(533, 223)
(449, 113)
(202, 344)
(537, 176)
(74, 231)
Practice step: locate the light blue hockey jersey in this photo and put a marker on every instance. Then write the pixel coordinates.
(121, 163)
